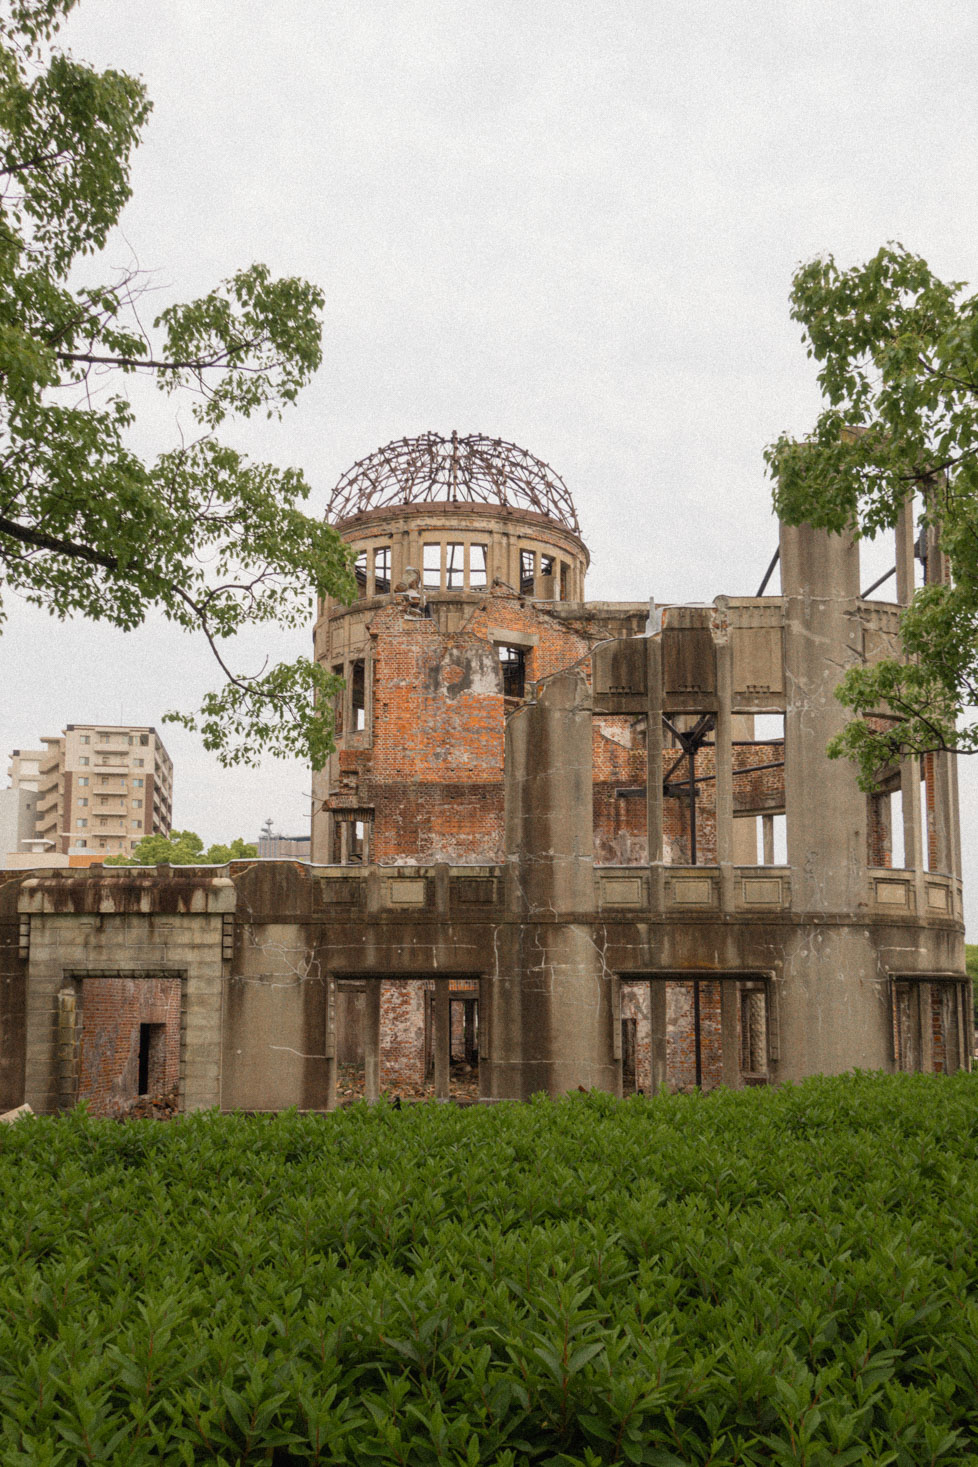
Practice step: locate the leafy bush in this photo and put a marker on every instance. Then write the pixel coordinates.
(757, 1277)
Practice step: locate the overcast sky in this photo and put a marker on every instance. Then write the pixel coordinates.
(571, 225)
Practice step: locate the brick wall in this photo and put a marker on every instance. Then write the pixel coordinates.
(433, 771)
(112, 1011)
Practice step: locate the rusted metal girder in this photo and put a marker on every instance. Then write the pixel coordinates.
(470, 470)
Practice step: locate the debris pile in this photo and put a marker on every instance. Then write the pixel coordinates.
(148, 1107)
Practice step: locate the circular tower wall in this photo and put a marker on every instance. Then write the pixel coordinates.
(439, 525)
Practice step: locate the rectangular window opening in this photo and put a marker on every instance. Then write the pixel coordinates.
(478, 566)
(513, 661)
(898, 846)
(454, 566)
(759, 790)
(358, 694)
(338, 702)
(382, 570)
(360, 573)
(431, 564)
(547, 563)
(528, 571)
(564, 580)
(689, 789)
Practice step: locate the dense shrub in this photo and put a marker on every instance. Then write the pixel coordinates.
(768, 1276)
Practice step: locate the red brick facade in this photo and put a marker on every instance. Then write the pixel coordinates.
(114, 1011)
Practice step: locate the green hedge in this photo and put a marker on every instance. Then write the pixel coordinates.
(766, 1276)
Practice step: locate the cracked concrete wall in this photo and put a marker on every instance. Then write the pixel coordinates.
(562, 1035)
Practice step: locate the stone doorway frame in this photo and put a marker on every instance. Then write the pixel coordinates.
(70, 1020)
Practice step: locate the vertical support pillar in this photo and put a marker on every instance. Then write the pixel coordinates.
(767, 838)
(724, 768)
(469, 1040)
(827, 824)
(913, 833)
(943, 813)
(67, 1048)
(555, 1025)
(730, 1032)
(653, 779)
(952, 787)
(657, 1034)
(924, 1025)
(905, 553)
(329, 1048)
(371, 1039)
(967, 1026)
(443, 1038)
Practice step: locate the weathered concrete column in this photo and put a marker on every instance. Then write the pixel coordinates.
(905, 554)
(554, 1026)
(653, 783)
(729, 1032)
(658, 1026)
(371, 1039)
(443, 1038)
(723, 752)
(833, 997)
(826, 810)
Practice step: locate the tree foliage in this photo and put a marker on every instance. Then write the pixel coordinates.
(898, 355)
(214, 541)
(183, 848)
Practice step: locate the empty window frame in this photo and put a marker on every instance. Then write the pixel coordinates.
(758, 784)
(513, 661)
(351, 840)
(689, 789)
(360, 572)
(564, 580)
(358, 694)
(431, 565)
(382, 570)
(339, 699)
(885, 829)
(454, 566)
(528, 571)
(478, 566)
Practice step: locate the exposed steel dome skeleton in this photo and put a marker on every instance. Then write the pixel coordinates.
(470, 470)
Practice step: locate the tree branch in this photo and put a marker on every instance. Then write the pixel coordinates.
(27, 536)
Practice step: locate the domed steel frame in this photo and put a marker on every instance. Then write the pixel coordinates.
(470, 470)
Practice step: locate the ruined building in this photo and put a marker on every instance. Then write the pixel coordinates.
(559, 844)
